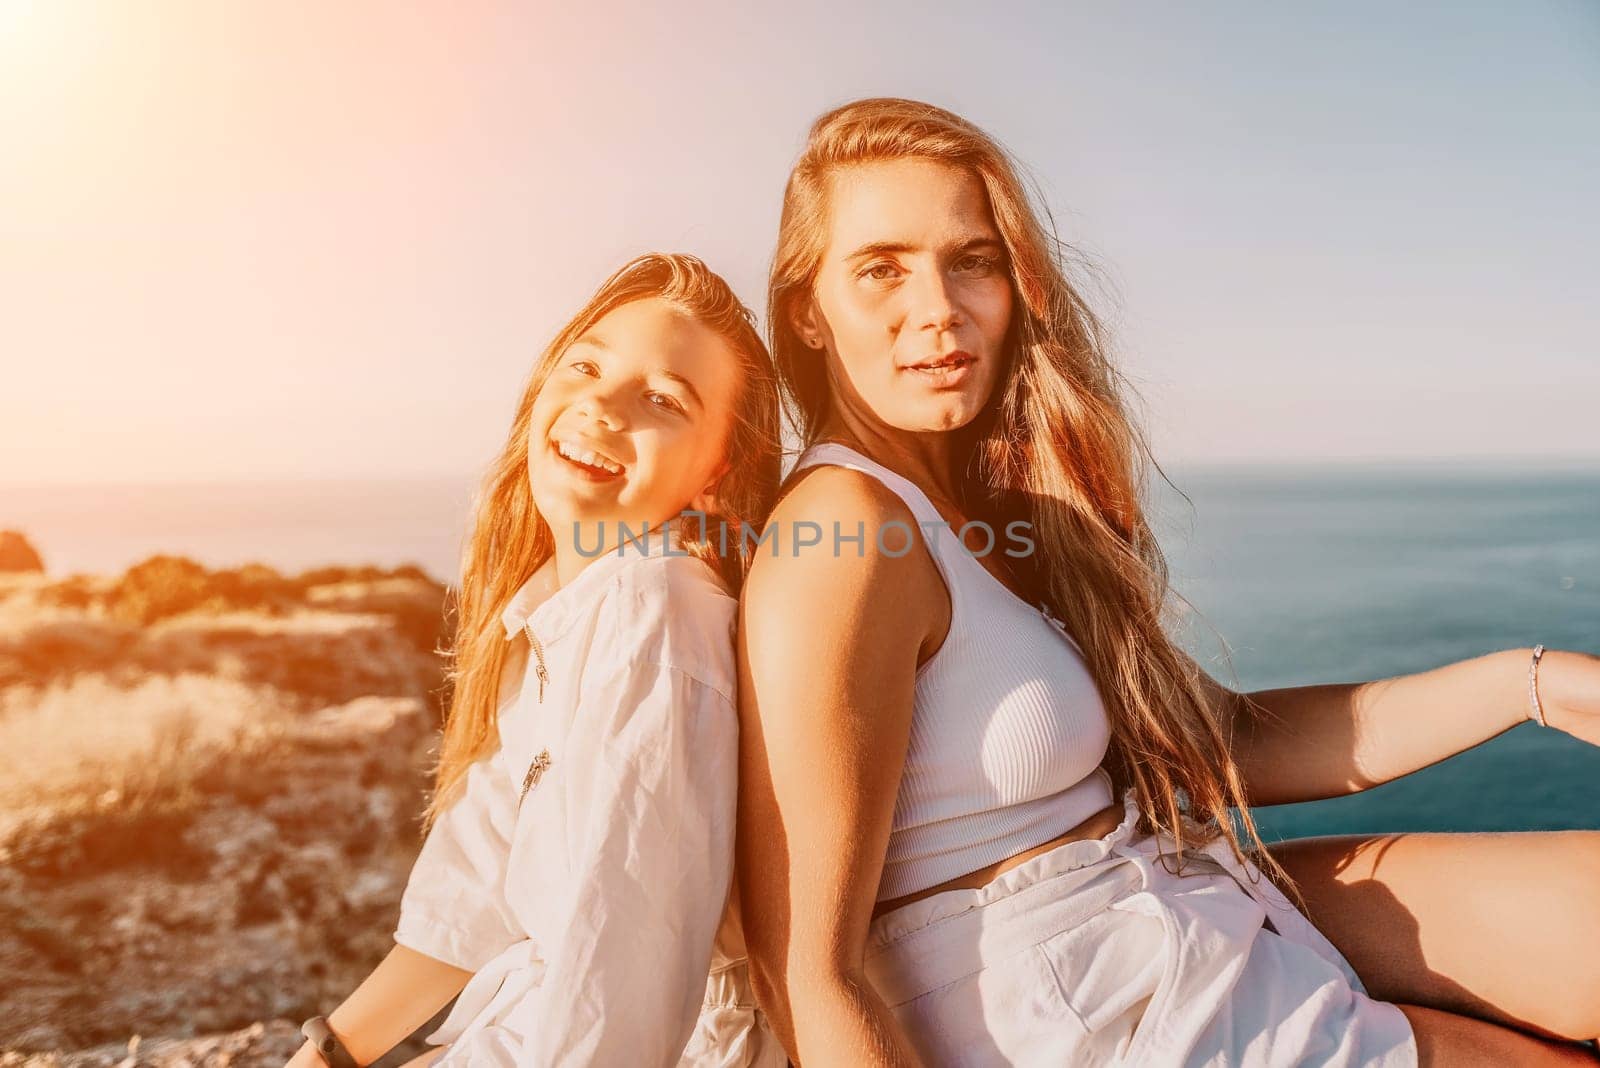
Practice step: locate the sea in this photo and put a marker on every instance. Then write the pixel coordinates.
(1288, 575)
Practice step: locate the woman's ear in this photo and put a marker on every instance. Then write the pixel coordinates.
(807, 323)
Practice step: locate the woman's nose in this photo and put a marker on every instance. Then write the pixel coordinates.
(935, 308)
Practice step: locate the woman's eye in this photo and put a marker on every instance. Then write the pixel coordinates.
(978, 264)
(579, 365)
(671, 403)
(879, 272)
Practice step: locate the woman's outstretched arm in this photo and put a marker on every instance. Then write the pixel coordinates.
(828, 651)
(1306, 743)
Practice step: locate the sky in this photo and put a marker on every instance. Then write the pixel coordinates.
(261, 240)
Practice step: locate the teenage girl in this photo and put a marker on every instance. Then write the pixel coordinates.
(574, 884)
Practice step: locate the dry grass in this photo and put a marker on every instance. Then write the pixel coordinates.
(88, 734)
(132, 804)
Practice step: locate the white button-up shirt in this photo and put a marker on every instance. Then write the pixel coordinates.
(584, 873)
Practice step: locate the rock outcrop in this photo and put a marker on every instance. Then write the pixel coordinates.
(16, 554)
(208, 838)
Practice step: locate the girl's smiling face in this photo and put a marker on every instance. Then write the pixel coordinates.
(641, 405)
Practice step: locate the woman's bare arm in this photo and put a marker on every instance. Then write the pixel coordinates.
(402, 993)
(1315, 742)
(828, 652)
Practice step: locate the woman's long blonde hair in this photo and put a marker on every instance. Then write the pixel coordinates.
(510, 540)
(1056, 446)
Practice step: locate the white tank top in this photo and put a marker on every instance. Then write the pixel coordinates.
(1007, 731)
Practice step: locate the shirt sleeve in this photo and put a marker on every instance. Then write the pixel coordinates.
(454, 906)
(651, 860)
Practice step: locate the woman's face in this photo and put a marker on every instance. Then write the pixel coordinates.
(644, 401)
(913, 295)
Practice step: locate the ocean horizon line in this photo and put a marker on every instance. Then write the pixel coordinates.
(1563, 463)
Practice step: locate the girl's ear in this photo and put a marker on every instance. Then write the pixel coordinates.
(706, 500)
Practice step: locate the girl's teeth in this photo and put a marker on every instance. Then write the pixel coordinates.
(587, 458)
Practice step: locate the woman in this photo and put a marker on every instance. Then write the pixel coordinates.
(983, 796)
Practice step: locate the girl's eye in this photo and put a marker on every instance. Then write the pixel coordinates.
(977, 264)
(578, 365)
(879, 272)
(671, 404)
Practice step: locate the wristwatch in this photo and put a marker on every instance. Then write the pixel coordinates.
(327, 1043)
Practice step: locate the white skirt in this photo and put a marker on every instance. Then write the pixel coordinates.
(1095, 954)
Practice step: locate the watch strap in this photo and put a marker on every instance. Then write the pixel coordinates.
(327, 1043)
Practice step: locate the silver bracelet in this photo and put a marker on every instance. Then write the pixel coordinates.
(1533, 687)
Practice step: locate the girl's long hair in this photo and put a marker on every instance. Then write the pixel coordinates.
(510, 540)
(1057, 446)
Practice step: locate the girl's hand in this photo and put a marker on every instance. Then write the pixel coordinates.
(1569, 692)
(308, 1057)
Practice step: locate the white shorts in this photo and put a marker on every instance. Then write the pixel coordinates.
(1095, 954)
(482, 1029)
(732, 1032)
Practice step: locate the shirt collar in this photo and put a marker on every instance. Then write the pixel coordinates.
(549, 608)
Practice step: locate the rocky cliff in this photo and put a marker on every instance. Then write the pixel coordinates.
(212, 788)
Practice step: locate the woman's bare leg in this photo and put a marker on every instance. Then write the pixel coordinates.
(1452, 1041)
(1503, 926)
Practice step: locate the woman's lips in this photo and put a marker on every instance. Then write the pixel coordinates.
(951, 369)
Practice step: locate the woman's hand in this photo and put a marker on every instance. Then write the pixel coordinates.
(1569, 693)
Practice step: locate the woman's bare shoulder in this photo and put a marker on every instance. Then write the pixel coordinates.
(827, 492)
(829, 550)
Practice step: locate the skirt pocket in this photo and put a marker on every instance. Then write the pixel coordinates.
(1106, 969)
